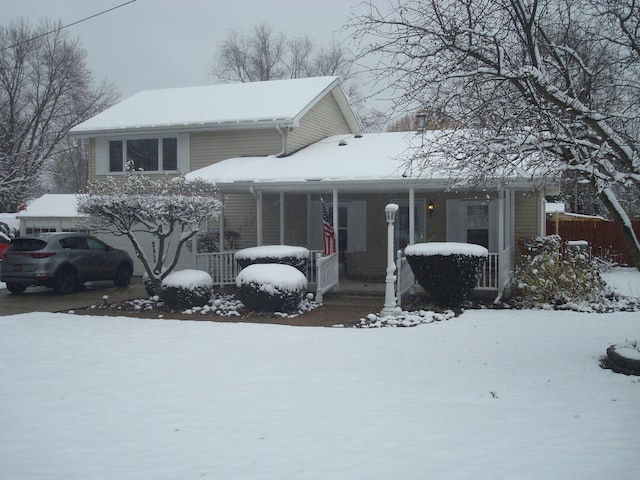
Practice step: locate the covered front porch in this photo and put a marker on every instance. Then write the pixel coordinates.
(276, 200)
(360, 264)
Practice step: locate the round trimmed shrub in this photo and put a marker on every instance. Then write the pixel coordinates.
(281, 254)
(449, 271)
(186, 288)
(270, 287)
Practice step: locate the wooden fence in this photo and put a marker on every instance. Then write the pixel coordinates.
(604, 237)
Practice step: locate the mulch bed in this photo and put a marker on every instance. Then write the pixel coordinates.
(322, 316)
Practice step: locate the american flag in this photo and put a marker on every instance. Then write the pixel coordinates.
(328, 234)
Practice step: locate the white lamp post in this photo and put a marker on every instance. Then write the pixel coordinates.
(390, 294)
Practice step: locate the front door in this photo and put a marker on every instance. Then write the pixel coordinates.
(473, 221)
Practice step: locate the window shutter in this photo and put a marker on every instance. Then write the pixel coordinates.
(184, 155)
(315, 226)
(357, 231)
(493, 225)
(102, 156)
(454, 233)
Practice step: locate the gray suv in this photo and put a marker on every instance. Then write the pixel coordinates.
(62, 261)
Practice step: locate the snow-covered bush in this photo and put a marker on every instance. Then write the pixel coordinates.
(548, 277)
(283, 254)
(447, 270)
(186, 288)
(271, 287)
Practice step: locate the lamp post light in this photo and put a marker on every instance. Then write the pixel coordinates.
(390, 280)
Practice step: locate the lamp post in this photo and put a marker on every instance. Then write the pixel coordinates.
(390, 280)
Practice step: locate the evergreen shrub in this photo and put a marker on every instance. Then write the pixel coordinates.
(271, 287)
(186, 289)
(448, 271)
(296, 257)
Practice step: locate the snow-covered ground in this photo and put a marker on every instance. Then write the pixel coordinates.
(497, 394)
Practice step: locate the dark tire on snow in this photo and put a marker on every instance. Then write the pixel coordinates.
(16, 288)
(66, 281)
(620, 364)
(123, 275)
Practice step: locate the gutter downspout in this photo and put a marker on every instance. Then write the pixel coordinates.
(284, 135)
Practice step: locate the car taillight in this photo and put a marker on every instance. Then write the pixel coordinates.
(42, 255)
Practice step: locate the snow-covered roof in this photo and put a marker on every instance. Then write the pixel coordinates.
(234, 105)
(51, 205)
(366, 160)
(553, 207)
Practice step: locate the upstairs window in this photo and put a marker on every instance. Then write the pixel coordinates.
(148, 154)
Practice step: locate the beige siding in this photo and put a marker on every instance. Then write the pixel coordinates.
(212, 147)
(240, 217)
(92, 159)
(323, 120)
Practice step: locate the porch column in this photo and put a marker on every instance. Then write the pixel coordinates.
(412, 216)
(259, 218)
(221, 225)
(501, 244)
(281, 218)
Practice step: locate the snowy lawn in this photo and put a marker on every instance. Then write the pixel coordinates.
(492, 394)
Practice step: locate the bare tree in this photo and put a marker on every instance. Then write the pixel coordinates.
(69, 169)
(253, 58)
(266, 55)
(551, 85)
(45, 89)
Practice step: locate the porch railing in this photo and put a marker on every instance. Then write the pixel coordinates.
(224, 269)
(489, 275)
(405, 276)
(222, 266)
(328, 269)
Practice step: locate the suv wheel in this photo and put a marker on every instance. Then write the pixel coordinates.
(123, 275)
(16, 288)
(66, 281)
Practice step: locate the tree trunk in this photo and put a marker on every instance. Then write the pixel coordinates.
(620, 216)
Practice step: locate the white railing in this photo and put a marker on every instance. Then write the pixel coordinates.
(405, 276)
(489, 275)
(222, 266)
(224, 269)
(312, 267)
(505, 272)
(328, 269)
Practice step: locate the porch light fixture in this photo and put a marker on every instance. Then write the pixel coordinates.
(431, 207)
(390, 304)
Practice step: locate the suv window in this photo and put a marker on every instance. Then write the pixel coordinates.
(74, 242)
(96, 245)
(26, 245)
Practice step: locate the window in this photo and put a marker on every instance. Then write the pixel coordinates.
(478, 224)
(473, 221)
(352, 225)
(148, 154)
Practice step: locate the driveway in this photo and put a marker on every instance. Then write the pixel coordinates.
(41, 299)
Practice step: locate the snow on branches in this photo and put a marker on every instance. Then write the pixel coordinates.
(168, 208)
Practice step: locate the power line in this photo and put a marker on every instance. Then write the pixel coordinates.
(66, 26)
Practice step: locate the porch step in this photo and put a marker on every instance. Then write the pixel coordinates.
(357, 300)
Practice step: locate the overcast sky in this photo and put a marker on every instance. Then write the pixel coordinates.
(151, 44)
